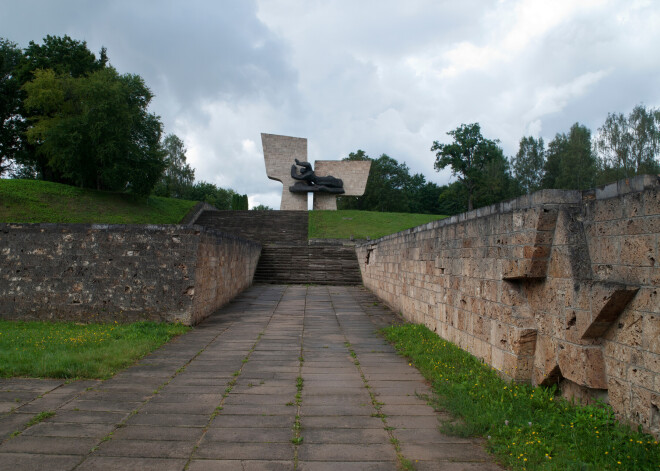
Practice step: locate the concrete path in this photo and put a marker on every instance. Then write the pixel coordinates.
(285, 377)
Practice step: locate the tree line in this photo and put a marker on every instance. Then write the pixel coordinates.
(70, 117)
(624, 146)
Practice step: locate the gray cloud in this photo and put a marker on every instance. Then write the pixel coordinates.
(387, 76)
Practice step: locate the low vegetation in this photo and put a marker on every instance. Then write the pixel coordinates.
(527, 428)
(362, 224)
(77, 351)
(39, 201)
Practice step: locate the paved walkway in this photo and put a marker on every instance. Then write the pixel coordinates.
(228, 396)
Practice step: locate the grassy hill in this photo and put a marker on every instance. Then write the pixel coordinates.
(39, 201)
(362, 224)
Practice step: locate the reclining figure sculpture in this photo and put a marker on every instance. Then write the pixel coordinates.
(310, 182)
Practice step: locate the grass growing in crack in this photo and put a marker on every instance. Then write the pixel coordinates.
(69, 350)
(404, 463)
(40, 417)
(297, 438)
(529, 428)
(216, 411)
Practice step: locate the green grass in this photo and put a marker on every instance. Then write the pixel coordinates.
(77, 351)
(362, 224)
(527, 428)
(38, 201)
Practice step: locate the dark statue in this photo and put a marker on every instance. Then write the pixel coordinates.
(308, 181)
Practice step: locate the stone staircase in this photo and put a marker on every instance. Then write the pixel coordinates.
(322, 265)
(266, 227)
(286, 255)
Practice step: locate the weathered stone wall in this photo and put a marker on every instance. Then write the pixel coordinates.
(90, 273)
(554, 287)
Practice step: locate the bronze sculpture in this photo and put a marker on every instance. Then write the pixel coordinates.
(310, 182)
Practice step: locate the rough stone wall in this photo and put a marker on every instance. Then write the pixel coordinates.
(110, 272)
(225, 267)
(554, 287)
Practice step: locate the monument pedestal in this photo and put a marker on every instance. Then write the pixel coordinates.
(325, 201)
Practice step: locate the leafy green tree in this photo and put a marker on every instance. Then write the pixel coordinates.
(262, 207)
(178, 175)
(496, 183)
(425, 197)
(570, 161)
(95, 131)
(528, 164)
(10, 103)
(629, 145)
(211, 194)
(468, 157)
(389, 186)
(62, 54)
(239, 202)
(66, 57)
(452, 199)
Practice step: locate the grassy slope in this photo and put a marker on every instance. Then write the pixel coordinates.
(362, 224)
(38, 201)
(68, 350)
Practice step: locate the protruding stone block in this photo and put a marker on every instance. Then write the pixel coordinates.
(608, 300)
(583, 365)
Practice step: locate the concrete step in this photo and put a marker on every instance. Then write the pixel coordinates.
(308, 264)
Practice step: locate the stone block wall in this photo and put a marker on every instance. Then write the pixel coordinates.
(279, 155)
(91, 273)
(554, 287)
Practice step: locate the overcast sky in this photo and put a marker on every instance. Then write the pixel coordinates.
(385, 76)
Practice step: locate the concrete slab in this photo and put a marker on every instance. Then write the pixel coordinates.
(164, 413)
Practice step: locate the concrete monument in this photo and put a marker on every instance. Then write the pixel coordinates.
(286, 162)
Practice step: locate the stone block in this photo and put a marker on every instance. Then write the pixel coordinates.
(639, 250)
(583, 365)
(608, 301)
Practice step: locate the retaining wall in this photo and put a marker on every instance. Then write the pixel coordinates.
(554, 287)
(91, 273)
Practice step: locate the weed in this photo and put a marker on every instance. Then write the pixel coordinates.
(40, 417)
(216, 411)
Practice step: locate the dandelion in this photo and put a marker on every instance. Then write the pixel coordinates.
(506, 422)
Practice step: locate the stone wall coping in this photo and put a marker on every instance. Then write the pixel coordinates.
(193, 213)
(622, 187)
(540, 198)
